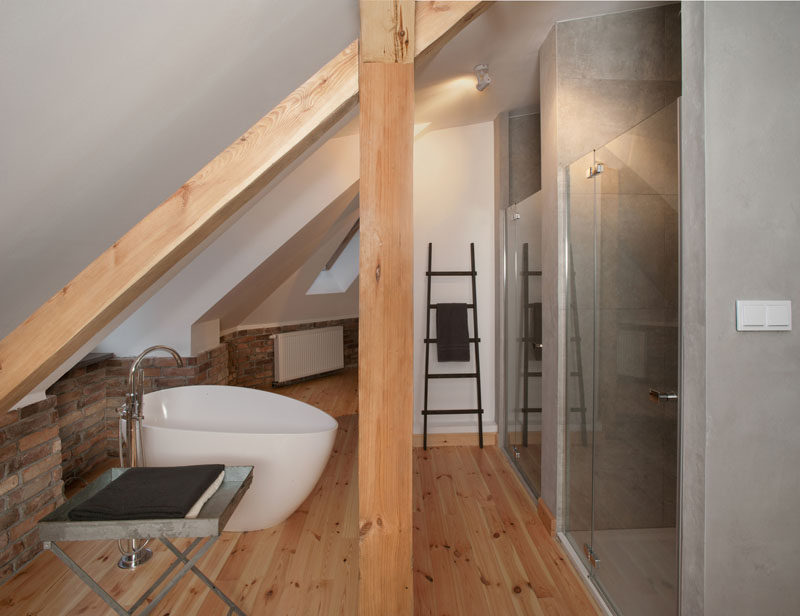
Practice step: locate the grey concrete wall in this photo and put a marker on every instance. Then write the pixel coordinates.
(752, 490)
(693, 315)
(525, 159)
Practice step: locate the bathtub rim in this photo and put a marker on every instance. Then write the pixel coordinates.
(145, 424)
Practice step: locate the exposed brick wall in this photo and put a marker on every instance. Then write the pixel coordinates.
(251, 352)
(350, 342)
(30, 480)
(80, 397)
(70, 432)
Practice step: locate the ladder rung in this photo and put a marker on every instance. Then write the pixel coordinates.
(454, 412)
(531, 410)
(534, 374)
(533, 273)
(451, 273)
(435, 339)
(433, 306)
(453, 375)
(578, 409)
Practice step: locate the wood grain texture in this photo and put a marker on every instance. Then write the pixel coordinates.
(479, 547)
(389, 36)
(463, 497)
(386, 325)
(456, 439)
(57, 330)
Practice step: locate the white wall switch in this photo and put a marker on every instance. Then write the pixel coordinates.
(763, 315)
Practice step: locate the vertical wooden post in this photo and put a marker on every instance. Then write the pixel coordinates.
(386, 321)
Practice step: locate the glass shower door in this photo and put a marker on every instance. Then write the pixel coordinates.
(635, 470)
(581, 344)
(623, 217)
(523, 335)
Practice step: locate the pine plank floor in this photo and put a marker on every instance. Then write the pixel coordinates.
(479, 547)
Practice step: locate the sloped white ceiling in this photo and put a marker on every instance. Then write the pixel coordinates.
(108, 107)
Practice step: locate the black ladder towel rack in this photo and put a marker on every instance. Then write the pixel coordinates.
(474, 340)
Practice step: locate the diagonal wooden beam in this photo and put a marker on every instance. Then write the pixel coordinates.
(69, 319)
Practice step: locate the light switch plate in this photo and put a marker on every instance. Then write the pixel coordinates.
(760, 315)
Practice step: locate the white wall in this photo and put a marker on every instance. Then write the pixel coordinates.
(752, 464)
(453, 206)
(167, 317)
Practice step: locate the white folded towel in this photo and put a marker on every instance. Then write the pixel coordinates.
(195, 510)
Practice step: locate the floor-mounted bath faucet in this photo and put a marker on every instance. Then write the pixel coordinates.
(134, 551)
(131, 411)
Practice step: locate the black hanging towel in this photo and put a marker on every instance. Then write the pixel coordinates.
(452, 332)
(453, 335)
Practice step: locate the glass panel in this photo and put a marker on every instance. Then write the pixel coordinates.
(523, 318)
(513, 423)
(580, 360)
(635, 438)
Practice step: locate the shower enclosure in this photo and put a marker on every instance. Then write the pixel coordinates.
(622, 365)
(523, 368)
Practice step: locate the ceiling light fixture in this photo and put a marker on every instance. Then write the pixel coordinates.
(482, 75)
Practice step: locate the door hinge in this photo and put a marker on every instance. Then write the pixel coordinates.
(590, 555)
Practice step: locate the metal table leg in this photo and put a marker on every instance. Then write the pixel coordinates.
(164, 576)
(76, 569)
(234, 609)
(189, 565)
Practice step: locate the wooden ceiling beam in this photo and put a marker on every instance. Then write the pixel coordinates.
(69, 319)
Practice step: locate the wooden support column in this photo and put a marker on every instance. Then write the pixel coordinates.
(386, 320)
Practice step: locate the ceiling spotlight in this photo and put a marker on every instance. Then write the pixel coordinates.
(482, 75)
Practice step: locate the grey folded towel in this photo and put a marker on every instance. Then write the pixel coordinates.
(452, 332)
(149, 493)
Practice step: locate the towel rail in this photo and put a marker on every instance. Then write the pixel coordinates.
(475, 339)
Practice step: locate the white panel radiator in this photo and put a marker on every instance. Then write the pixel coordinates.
(306, 352)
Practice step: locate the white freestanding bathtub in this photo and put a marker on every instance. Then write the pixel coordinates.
(288, 443)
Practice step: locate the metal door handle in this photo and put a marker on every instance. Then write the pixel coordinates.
(655, 396)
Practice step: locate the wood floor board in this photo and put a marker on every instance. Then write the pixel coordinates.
(462, 498)
(477, 509)
(464, 561)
